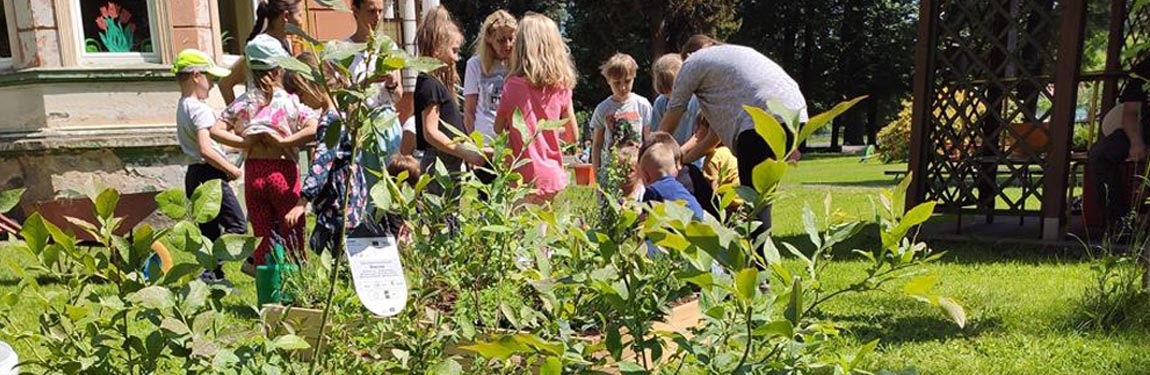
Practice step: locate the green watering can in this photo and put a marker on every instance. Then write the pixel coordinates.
(270, 277)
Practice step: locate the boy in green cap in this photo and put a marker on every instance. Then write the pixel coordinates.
(195, 71)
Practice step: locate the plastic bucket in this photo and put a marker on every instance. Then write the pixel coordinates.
(584, 174)
(8, 360)
(269, 283)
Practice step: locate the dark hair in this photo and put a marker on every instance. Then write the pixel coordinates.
(270, 9)
(404, 163)
(356, 3)
(697, 42)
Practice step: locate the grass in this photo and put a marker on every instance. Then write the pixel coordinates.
(1021, 300)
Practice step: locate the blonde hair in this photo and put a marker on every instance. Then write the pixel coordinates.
(540, 54)
(619, 65)
(664, 71)
(434, 38)
(662, 138)
(500, 19)
(660, 158)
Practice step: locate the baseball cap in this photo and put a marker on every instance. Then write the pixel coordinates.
(194, 60)
(262, 52)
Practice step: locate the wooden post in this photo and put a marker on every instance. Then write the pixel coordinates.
(1066, 79)
(1114, 45)
(923, 97)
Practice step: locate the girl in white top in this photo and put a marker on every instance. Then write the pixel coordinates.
(486, 71)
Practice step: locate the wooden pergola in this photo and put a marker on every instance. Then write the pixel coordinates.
(996, 91)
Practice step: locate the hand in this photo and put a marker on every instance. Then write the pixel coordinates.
(470, 154)
(294, 216)
(234, 173)
(1137, 152)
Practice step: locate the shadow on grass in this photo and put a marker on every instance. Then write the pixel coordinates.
(909, 329)
(957, 252)
(876, 183)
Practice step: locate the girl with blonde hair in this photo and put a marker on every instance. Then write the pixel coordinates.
(486, 72)
(539, 86)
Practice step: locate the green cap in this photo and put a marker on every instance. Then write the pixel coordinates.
(194, 60)
(263, 51)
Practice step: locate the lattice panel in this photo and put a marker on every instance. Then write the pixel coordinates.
(988, 126)
(1137, 31)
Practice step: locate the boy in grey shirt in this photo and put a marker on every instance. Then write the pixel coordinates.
(623, 116)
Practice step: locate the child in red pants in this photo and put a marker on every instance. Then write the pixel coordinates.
(270, 124)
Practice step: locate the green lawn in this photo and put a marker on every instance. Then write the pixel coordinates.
(1021, 299)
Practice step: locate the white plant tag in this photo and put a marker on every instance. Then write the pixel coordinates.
(378, 274)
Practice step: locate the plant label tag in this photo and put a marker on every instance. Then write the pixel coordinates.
(378, 274)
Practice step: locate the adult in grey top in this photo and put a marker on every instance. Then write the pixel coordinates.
(724, 78)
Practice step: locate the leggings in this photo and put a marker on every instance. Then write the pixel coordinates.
(272, 190)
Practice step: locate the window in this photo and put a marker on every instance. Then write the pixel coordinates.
(120, 30)
(5, 38)
(236, 20)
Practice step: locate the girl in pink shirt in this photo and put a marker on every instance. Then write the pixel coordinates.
(539, 86)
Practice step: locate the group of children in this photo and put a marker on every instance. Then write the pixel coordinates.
(519, 66)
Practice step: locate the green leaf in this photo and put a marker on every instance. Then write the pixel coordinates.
(10, 198)
(175, 326)
(35, 233)
(551, 366)
(224, 359)
(631, 368)
(812, 229)
(767, 175)
(106, 203)
(794, 311)
(296, 30)
(290, 342)
(195, 296)
(953, 310)
(173, 203)
(820, 120)
(861, 354)
(381, 196)
(768, 127)
(918, 215)
(206, 201)
(778, 328)
(747, 284)
(500, 350)
(292, 64)
(185, 236)
(234, 247)
(615, 343)
(332, 134)
(921, 286)
(153, 297)
(338, 50)
(447, 367)
(424, 64)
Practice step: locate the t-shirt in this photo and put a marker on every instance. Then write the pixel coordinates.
(192, 115)
(489, 89)
(284, 114)
(635, 112)
(1135, 91)
(686, 124)
(726, 77)
(668, 189)
(545, 168)
(430, 92)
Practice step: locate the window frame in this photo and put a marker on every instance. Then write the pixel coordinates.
(13, 35)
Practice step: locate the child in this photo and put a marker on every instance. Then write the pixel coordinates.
(269, 124)
(326, 183)
(194, 120)
(720, 166)
(658, 168)
(663, 73)
(542, 76)
(438, 37)
(486, 71)
(622, 115)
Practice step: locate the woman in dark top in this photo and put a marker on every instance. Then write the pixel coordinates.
(1126, 142)
(436, 106)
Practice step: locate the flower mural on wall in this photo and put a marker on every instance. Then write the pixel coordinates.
(117, 31)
